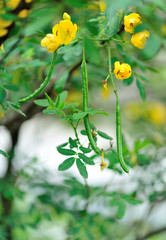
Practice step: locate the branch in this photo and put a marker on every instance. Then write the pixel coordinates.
(152, 233)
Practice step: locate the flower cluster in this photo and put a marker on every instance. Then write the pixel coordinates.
(62, 33)
(12, 4)
(138, 39)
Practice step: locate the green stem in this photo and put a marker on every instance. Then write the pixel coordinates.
(44, 84)
(85, 104)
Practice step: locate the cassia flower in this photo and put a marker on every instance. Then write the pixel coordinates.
(102, 5)
(66, 16)
(3, 32)
(122, 71)
(139, 39)
(50, 42)
(13, 4)
(131, 21)
(65, 31)
(23, 13)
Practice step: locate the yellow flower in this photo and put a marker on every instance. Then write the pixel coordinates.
(65, 31)
(28, 1)
(3, 32)
(131, 21)
(50, 42)
(66, 16)
(5, 23)
(2, 48)
(139, 39)
(163, 29)
(13, 4)
(122, 71)
(102, 5)
(157, 113)
(23, 13)
(103, 164)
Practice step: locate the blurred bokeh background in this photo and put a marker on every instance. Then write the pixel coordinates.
(39, 202)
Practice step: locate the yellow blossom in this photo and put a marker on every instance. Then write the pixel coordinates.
(5, 23)
(50, 42)
(3, 32)
(23, 13)
(2, 48)
(103, 164)
(65, 31)
(13, 4)
(163, 28)
(157, 113)
(122, 71)
(131, 21)
(66, 16)
(28, 1)
(133, 157)
(102, 5)
(105, 93)
(139, 39)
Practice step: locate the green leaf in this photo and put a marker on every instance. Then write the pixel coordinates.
(141, 89)
(82, 168)
(83, 132)
(66, 152)
(92, 52)
(57, 101)
(60, 83)
(86, 159)
(79, 115)
(121, 210)
(68, 163)
(141, 144)
(115, 5)
(49, 100)
(50, 110)
(4, 153)
(73, 142)
(11, 87)
(152, 47)
(129, 199)
(128, 81)
(62, 145)
(63, 96)
(143, 78)
(61, 105)
(93, 112)
(2, 95)
(9, 16)
(104, 135)
(113, 26)
(42, 102)
(85, 150)
(15, 107)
